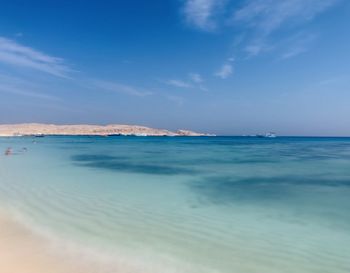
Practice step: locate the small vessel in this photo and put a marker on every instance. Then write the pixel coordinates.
(267, 135)
(270, 135)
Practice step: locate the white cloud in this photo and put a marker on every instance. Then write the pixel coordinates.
(265, 17)
(196, 78)
(200, 13)
(292, 52)
(25, 92)
(257, 47)
(253, 49)
(297, 44)
(225, 71)
(178, 83)
(15, 54)
(262, 18)
(121, 88)
(269, 15)
(17, 86)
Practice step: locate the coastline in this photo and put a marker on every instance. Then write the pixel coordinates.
(37, 129)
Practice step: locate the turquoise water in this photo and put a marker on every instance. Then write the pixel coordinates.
(208, 204)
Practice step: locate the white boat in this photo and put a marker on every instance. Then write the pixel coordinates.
(270, 135)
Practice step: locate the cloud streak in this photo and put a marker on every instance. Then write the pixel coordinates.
(16, 86)
(265, 17)
(194, 80)
(178, 83)
(226, 69)
(201, 13)
(121, 88)
(15, 54)
(258, 19)
(269, 15)
(298, 44)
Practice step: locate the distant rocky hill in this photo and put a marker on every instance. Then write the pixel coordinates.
(29, 129)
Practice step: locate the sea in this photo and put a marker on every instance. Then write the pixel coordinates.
(185, 204)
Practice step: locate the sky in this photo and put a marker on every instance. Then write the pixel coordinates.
(229, 67)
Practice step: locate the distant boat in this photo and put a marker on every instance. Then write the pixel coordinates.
(39, 135)
(267, 135)
(270, 135)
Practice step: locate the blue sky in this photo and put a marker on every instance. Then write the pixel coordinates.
(220, 66)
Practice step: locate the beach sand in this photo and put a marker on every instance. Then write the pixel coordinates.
(23, 252)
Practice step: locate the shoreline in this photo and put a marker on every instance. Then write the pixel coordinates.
(23, 251)
(26, 249)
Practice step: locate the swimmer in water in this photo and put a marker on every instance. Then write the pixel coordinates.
(8, 151)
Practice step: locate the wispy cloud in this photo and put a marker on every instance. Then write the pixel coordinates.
(18, 55)
(258, 46)
(265, 17)
(17, 86)
(193, 80)
(195, 77)
(178, 83)
(25, 92)
(226, 69)
(121, 88)
(259, 24)
(297, 45)
(269, 15)
(201, 13)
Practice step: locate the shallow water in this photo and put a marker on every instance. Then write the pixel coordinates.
(182, 204)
